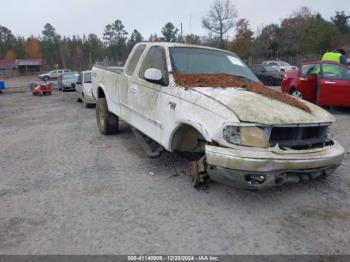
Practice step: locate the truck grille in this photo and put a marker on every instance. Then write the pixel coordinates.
(300, 138)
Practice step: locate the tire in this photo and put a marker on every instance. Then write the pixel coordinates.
(79, 100)
(86, 105)
(46, 78)
(270, 81)
(107, 123)
(296, 93)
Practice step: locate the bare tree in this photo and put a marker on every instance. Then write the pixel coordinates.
(220, 18)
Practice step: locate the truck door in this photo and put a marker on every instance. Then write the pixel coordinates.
(148, 96)
(334, 86)
(127, 85)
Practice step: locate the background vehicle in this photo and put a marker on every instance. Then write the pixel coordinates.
(55, 74)
(67, 82)
(281, 65)
(321, 82)
(83, 89)
(2, 85)
(246, 138)
(269, 75)
(40, 90)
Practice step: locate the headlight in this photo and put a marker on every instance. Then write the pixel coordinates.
(329, 134)
(246, 136)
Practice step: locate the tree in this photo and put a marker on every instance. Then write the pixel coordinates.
(115, 37)
(10, 55)
(193, 39)
(170, 33)
(266, 45)
(341, 21)
(154, 38)
(32, 48)
(318, 36)
(6, 40)
(220, 18)
(243, 39)
(135, 38)
(292, 31)
(51, 46)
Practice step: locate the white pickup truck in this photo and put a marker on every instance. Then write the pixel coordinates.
(207, 104)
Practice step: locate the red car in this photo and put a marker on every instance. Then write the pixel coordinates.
(41, 90)
(321, 82)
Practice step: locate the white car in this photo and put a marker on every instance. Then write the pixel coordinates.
(83, 89)
(281, 65)
(55, 74)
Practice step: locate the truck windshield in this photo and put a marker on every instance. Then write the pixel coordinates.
(205, 61)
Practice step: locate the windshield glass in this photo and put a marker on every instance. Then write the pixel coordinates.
(87, 77)
(284, 64)
(205, 61)
(271, 69)
(68, 76)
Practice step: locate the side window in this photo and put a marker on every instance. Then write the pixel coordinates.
(156, 58)
(310, 69)
(80, 78)
(331, 71)
(134, 59)
(87, 77)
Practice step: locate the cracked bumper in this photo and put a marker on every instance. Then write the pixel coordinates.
(274, 166)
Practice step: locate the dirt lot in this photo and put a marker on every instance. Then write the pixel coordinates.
(61, 193)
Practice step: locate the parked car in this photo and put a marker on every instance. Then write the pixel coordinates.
(321, 82)
(207, 103)
(281, 65)
(83, 89)
(269, 75)
(55, 74)
(67, 82)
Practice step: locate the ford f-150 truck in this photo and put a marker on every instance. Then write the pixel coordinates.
(207, 104)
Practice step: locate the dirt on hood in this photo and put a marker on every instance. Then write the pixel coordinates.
(190, 81)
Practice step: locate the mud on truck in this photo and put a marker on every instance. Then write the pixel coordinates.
(208, 105)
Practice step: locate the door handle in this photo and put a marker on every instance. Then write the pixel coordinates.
(133, 89)
(330, 82)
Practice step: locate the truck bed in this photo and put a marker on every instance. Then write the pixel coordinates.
(114, 69)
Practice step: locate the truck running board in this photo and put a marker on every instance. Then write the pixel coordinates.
(151, 148)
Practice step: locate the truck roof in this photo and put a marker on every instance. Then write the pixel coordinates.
(168, 44)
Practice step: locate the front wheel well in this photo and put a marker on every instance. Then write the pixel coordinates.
(100, 93)
(188, 139)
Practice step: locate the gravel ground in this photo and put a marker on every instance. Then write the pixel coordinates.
(61, 193)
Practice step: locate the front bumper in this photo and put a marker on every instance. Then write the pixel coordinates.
(272, 167)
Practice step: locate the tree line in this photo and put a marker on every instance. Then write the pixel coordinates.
(303, 33)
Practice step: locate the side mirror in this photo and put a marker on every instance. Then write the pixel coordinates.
(154, 75)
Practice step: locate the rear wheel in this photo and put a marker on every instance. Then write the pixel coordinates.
(107, 123)
(296, 93)
(270, 81)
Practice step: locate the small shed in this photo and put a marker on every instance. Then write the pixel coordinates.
(28, 65)
(7, 68)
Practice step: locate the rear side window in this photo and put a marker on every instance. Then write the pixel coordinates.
(156, 58)
(130, 69)
(331, 71)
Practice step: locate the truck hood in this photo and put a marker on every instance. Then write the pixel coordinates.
(255, 108)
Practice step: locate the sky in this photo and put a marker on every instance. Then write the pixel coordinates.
(69, 17)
